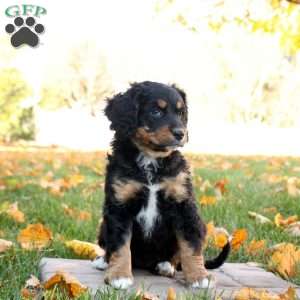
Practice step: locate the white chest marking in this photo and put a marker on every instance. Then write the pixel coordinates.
(149, 214)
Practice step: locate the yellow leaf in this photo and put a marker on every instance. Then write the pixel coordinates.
(238, 238)
(259, 218)
(5, 245)
(66, 282)
(251, 294)
(220, 240)
(290, 294)
(31, 289)
(171, 294)
(85, 249)
(208, 200)
(14, 212)
(34, 236)
(210, 229)
(280, 221)
(285, 260)
(256, 246)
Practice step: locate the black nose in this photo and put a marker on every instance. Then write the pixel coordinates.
(178, 133)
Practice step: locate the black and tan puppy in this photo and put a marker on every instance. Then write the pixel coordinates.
(150, 218)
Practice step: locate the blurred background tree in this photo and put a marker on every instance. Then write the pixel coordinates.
(16, 122)
(82, 80)
(256, 45)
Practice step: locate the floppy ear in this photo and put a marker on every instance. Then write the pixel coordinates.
(180, 91)
(122, 111)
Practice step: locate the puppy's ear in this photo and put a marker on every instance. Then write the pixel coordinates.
(180, 91)
(122, 111)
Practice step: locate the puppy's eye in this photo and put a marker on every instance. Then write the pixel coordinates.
(156, 113)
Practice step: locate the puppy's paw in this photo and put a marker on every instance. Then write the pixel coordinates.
(165, 269)
(121, 283)
(205, 283)
(99, 263)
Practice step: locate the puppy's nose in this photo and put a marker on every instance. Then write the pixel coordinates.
(178, 133)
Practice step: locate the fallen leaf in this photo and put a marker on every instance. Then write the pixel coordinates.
(239, 236)
(34, 236)
(251, 294)
(292, 186)
(290, 294)
(14, 212)
(67, 282)
(220, 239)
(80, 215)
(210, 229)
(208, 200)
(32, 288)
(205, 186)
(280, 221)
(255, 247)
(220, 187)
(285, 260)
(146, 295)
(85, 249)
(293, 229)
(5, 245)
(171, 294)
(259, 218)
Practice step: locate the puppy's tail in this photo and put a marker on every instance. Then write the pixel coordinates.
(220, 259)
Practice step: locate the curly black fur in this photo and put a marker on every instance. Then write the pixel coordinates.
(127, 112)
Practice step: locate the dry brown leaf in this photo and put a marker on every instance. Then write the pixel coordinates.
(80, 215)
(290, 294)
(32, 288)
(146, 295)
(14, 212)
(239, 236)
(5, 245)
(285, 259)
(67, 282)
(259, 218)
(171, 294)
(208, 200)
(293, 229)
(85, 249)
(255, 247)
(280, 221)
(34, 236)
(220, 186)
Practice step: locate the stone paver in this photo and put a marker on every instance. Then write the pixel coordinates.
(230, 278)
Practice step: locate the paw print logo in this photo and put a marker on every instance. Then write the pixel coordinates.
(27, 33)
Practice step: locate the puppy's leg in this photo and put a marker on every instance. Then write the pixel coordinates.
(117, 238)
(191, 232)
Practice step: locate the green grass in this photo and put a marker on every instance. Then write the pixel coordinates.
(245, 191)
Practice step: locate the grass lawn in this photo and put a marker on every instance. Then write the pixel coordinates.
(253, 184)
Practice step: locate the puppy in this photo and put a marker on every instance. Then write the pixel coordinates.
(150, 218)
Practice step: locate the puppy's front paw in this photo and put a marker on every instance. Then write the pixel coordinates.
(205, 283)
(99, 263)
(165, 269)
(121, 283)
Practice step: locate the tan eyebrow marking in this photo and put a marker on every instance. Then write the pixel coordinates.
(179, 104)
(162, 103)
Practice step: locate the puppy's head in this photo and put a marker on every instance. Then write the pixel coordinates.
(152, 115)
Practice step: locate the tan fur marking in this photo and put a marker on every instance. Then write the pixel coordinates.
(162, 103)
(192, 262)
(163, 136)
(175, 186)
(120, 263)
(179, 104)
(126, 190)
